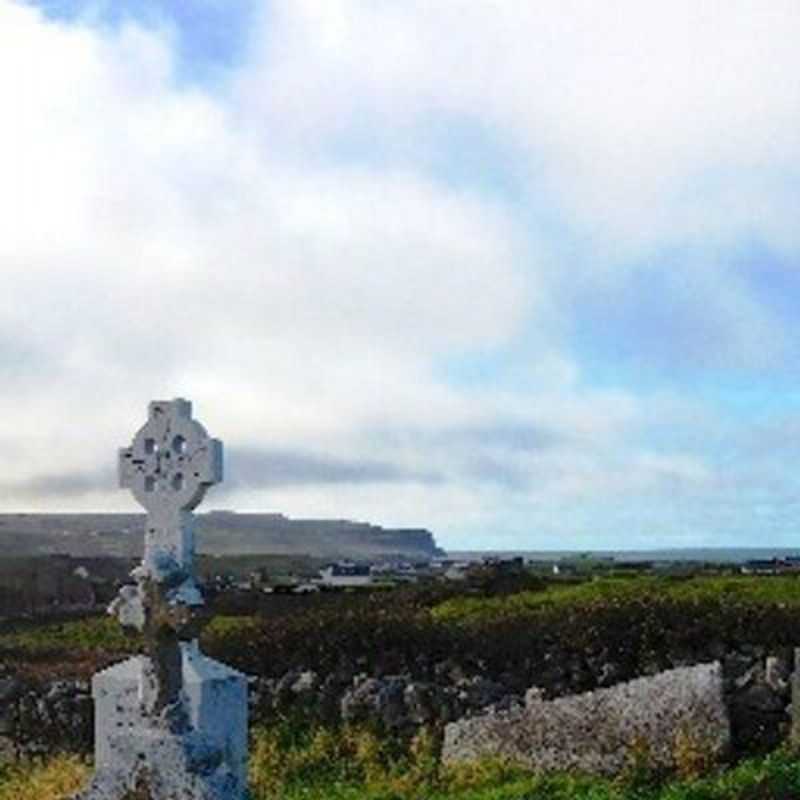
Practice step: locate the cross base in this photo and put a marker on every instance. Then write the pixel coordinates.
(202, 757)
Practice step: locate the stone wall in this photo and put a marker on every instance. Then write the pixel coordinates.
(39, 720)
(596, 731)
(59, 716)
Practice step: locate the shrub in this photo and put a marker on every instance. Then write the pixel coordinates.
(54, 779)
(692, 756)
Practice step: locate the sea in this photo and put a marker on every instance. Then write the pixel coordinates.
(714, 555)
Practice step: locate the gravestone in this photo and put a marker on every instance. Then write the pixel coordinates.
(170, 724)
(682, 709)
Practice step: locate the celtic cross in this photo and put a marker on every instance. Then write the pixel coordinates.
(169, 467)
(170, 722)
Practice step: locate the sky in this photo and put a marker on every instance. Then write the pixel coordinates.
(525, 274)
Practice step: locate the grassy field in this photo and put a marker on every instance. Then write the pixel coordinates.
(78, 647)
(76, 635)
(309, 761)
(782, 592)
(655, 615)
(736, 591)
(356, 764)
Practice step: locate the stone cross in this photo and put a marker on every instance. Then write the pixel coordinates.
(173, 723)
(168, 468)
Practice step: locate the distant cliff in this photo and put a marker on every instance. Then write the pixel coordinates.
(218, 533)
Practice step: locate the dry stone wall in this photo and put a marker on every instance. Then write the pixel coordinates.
(45, 718)
(41, 720)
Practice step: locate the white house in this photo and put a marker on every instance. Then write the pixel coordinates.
(344, 574)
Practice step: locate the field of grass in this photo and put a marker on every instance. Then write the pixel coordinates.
(634, 616)
(745, 590)
(71, 642)
(357, 764)
(75, 635)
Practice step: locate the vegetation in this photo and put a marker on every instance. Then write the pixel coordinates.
(360, 764)
(67, 649)
(54, 779)
(31, 640)
(638, 622)
(493, 629)
(739, 591)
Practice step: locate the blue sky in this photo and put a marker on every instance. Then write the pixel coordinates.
(525, 274)
(209, 36)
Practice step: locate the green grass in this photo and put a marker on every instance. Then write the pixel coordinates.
(76, 636)
(104, 633)
(222, 628)
(302, 762)
(781, 591)
(710, 599)
(54, 779)
(358, 764)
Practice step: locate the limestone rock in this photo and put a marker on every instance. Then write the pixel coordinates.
(595, 730)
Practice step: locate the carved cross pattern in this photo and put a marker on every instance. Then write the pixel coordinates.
(172, 461)
(168, 467)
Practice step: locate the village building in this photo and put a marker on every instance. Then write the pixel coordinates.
(344, 574)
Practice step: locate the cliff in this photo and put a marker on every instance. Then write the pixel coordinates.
(218, 533)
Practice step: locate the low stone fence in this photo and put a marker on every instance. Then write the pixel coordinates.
(40, 719)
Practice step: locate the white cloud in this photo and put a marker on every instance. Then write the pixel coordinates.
(152, 246)
(623, 108)
(278, 250)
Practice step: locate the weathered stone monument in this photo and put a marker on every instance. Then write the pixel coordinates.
(171, 724)
(597, 731)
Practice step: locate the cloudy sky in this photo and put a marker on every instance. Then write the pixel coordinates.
(527, 274)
